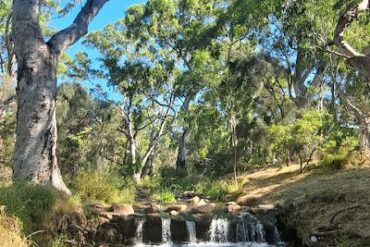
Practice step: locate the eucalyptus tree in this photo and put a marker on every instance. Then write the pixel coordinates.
(184, 28)
(143, 74)
(36, 134)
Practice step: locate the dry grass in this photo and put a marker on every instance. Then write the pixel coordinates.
(333, 204)
(10, 232)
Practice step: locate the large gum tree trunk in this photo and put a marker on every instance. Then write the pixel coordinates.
(36, 134)
(35, 149)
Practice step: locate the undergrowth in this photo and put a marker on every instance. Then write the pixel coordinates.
(166, 186)
(92, 186)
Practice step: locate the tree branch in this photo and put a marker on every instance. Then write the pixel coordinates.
(68, 36)
(344, 21)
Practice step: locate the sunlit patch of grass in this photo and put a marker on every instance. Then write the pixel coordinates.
(164, 196)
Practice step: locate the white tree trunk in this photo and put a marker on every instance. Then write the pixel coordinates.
(35, 157)
(35, 149)
(184, 140)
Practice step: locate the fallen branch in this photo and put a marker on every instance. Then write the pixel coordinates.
(335, 215)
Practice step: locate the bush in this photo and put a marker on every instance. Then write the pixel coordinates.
(165, 196)
(333, 162)
(218, 190)
(29, 203)
(91, 186)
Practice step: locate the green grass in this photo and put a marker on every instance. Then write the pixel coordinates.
(92, 186)
(29, 203)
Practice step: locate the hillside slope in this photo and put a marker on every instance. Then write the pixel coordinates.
(327, 208)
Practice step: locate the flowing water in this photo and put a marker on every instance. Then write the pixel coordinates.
(139, 231)
(219, 230)
(166, 230)
(249, 232)
(190, 227)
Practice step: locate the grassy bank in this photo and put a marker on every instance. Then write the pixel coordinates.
(332, 206)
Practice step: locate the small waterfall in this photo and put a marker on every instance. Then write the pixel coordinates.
(190, 227)
(139, 231)
(219, 230)
(260, 232)
(166, 230)
(242, 231)
(253, 232)
(277, 238)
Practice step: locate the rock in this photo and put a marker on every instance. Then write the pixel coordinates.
(106, 215)
(263, 208)
(194, 201)
(313, 239)
(176, 207)
(153, 208)
(121, 209)
(174, 213)
(205, 209)
(202, 203)
(231, 203)
(248, 201)
(233, 208)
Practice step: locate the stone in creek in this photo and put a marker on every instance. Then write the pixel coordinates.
(176, 207)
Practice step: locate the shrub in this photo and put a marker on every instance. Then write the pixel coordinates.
(91, 186)
(218, 190)
(10, 232)
(165, 196)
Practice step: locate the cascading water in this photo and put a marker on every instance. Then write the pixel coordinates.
(190, 227)
(244, 230)
(277, 238)
(166, 230)
(219, 230)
(139, 231)
(260, 232)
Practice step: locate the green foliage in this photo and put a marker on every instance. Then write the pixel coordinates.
(107, 188)
(164, 196)
(220, 189)
(302, 137)
(29, 203)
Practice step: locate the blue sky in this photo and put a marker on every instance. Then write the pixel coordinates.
(112, 11)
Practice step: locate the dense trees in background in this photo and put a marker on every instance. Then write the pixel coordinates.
(204, 86)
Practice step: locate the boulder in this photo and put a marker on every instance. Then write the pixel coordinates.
(263, 208)
(121, 209)
(233, 208)
(176, 207)
(202, 202)
(174, 213)
(248, 201)
(194, 201)
(205, 209)
(153, 208)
